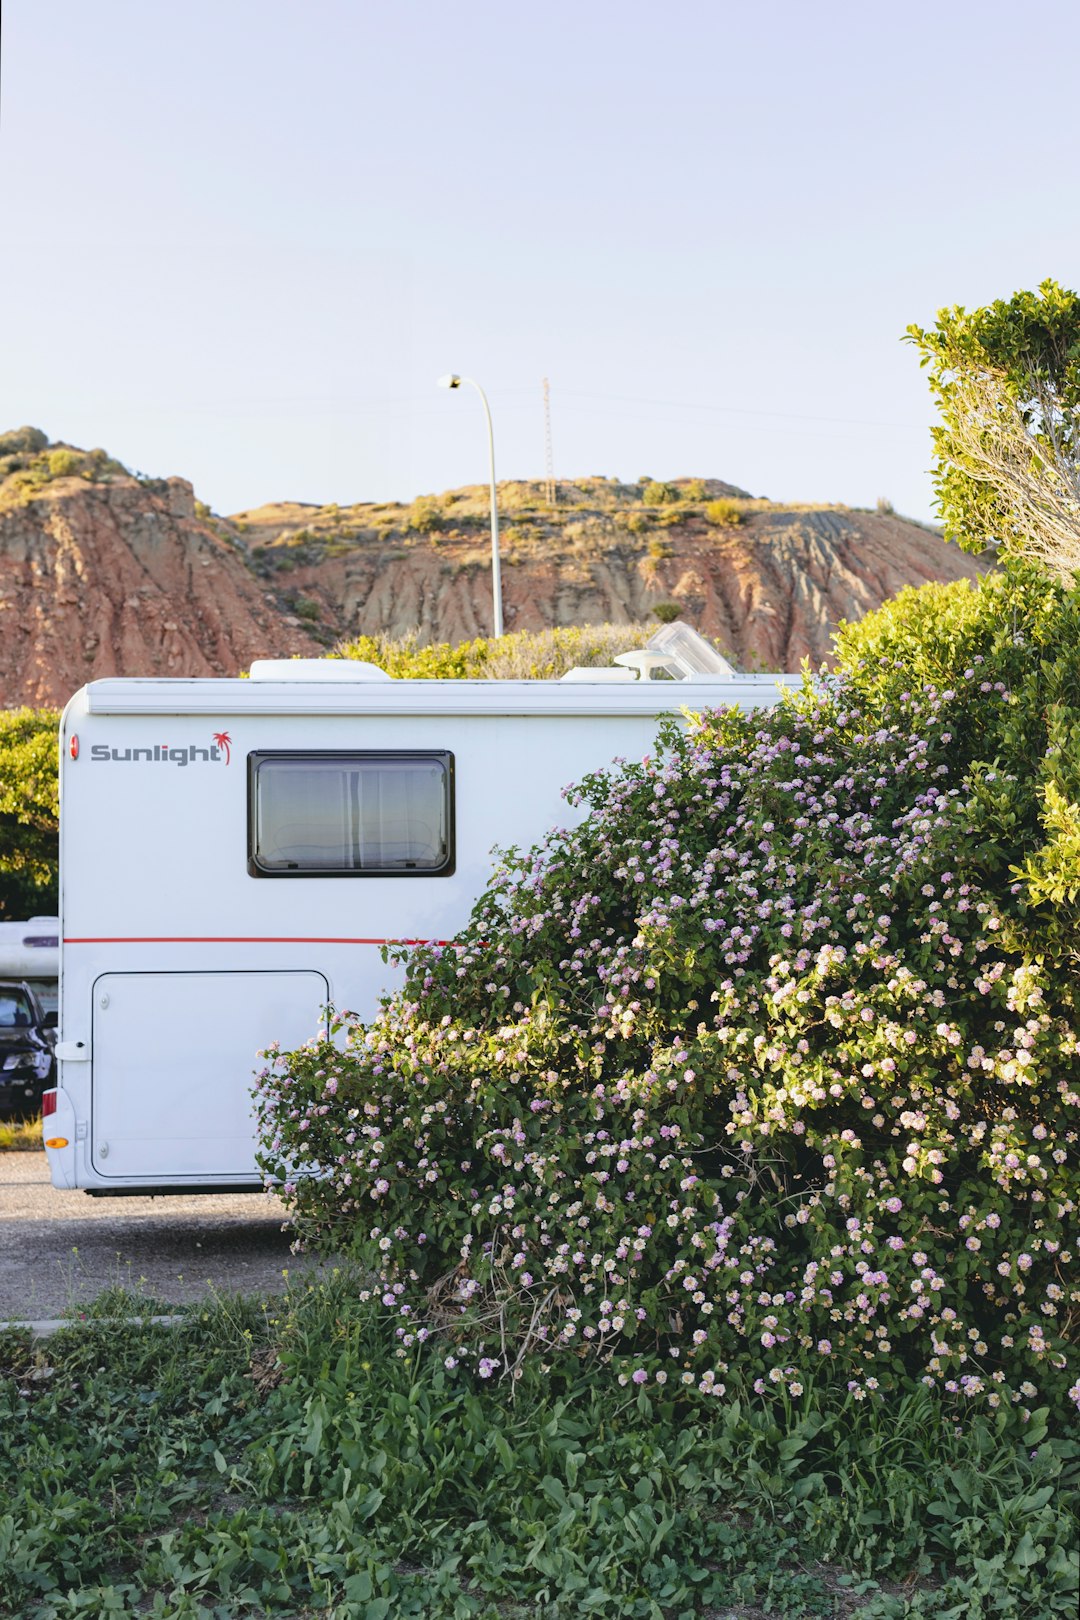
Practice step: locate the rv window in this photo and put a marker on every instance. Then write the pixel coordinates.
(350, 815)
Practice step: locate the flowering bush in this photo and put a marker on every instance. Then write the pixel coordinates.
(766, 1072)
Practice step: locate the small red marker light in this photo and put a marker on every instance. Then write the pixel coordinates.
(73, 747)
(48, 1103)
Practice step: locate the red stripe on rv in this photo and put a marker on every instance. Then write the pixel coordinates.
(235, 939)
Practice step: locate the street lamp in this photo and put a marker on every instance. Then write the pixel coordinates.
(452, 380)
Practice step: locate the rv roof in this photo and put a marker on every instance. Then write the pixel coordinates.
(212, 696)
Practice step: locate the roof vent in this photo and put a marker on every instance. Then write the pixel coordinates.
(650, 666)
(316, 669)
(689, 652)
(582, 673)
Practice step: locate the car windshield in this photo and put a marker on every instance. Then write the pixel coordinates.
(15, 1010)
(47, 992)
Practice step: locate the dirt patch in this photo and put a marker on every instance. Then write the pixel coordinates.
(60, 1250)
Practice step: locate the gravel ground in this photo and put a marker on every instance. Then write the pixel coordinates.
(61, 1249)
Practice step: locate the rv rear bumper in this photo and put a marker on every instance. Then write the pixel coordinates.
(59, 1133)
(175, 1190)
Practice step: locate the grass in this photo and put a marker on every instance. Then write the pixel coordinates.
(20, 1135)
(278, 1458)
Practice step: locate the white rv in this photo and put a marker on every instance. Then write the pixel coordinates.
(235, 854)
(30, 951)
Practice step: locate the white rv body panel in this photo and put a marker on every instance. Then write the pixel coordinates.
(178, 965)
(30, 950)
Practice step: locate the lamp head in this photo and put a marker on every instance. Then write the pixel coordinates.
(451, 380)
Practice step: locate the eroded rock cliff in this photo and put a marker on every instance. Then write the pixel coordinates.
(769, 586)
(102, 573)
(121, 578)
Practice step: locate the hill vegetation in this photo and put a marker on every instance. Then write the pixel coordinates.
(769, 580)
(29, 461)
(590, 514)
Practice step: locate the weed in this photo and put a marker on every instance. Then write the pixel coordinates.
(20, 1135)
(276, 1458)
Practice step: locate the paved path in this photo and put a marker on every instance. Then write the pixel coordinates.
(60, 1249)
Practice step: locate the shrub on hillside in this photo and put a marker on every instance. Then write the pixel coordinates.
(767, 1071)
(426, 515)
(32, 465)
(724, 514)
(658, 494)
(18, 447)
(23, 441)
(632, 522)
(306, 607)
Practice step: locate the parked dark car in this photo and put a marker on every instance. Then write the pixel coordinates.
(27, 1055)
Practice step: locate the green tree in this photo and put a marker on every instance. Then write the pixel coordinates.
(1007, 381)
(29, 812)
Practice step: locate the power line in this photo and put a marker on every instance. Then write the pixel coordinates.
(415, 405)
(731, 410)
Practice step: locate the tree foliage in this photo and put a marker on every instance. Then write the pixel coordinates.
(1007, 380)
(29, 811)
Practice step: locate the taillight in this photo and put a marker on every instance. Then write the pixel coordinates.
(48, 1104)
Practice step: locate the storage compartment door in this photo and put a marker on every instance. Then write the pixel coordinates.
(174, 1057)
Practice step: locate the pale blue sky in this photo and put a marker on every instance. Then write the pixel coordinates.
(243, 237)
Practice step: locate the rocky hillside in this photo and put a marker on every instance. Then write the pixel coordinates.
(104, 573)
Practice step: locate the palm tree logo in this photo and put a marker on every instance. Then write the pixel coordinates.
(223, 740)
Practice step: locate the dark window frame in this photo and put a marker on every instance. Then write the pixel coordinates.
(441, 756)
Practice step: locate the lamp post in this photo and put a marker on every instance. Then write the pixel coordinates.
(452, 380)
